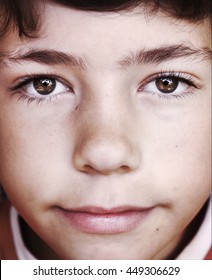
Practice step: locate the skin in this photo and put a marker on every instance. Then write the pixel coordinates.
(109, 142)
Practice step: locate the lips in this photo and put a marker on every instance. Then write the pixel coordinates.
(105, 221)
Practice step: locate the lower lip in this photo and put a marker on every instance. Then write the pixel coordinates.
(111, 223)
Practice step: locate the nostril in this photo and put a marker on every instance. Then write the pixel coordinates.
(124, 169)
(89, 169)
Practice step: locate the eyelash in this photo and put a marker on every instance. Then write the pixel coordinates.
(182, 77)
(18, 88)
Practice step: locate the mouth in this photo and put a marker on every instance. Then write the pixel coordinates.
(98, 220)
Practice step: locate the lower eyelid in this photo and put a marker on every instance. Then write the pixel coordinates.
(22, 95)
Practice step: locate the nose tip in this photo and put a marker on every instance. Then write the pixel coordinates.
(105, 158)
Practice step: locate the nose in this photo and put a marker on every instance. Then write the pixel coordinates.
(106, 140)
(105, 156)
(105, 146)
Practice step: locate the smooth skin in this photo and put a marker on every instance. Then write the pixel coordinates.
(107, 137)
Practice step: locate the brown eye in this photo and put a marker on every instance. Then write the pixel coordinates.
(44, 86)
(167, 84)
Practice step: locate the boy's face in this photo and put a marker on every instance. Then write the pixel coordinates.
(106, 154)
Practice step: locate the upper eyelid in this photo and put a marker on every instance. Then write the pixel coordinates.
(170, 74)
(183, 77)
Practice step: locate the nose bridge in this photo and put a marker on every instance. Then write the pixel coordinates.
(103, 142)
(109, 100)
(106, 108)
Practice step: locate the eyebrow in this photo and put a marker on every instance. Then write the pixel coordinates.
(43, 56)
(153, 56)
(165, 53)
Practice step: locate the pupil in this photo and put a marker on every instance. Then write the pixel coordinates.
(44, 86)
(167, 84)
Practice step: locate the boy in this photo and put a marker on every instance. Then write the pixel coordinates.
(105, 125)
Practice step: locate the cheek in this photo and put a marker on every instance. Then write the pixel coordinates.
(179, 156)
(188, 168)
(32, 150)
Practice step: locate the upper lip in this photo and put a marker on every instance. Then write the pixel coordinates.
(101, 210)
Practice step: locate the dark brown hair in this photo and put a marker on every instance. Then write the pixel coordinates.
(25, 15)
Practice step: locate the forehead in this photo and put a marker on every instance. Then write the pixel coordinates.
(95, 35)
(63, 23)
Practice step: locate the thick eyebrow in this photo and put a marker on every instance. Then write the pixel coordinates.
(165, 53)
(44, 56)
(153, 56)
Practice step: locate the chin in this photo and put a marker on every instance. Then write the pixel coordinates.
(103, 253)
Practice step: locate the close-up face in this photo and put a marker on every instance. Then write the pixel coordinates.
(105, 125)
